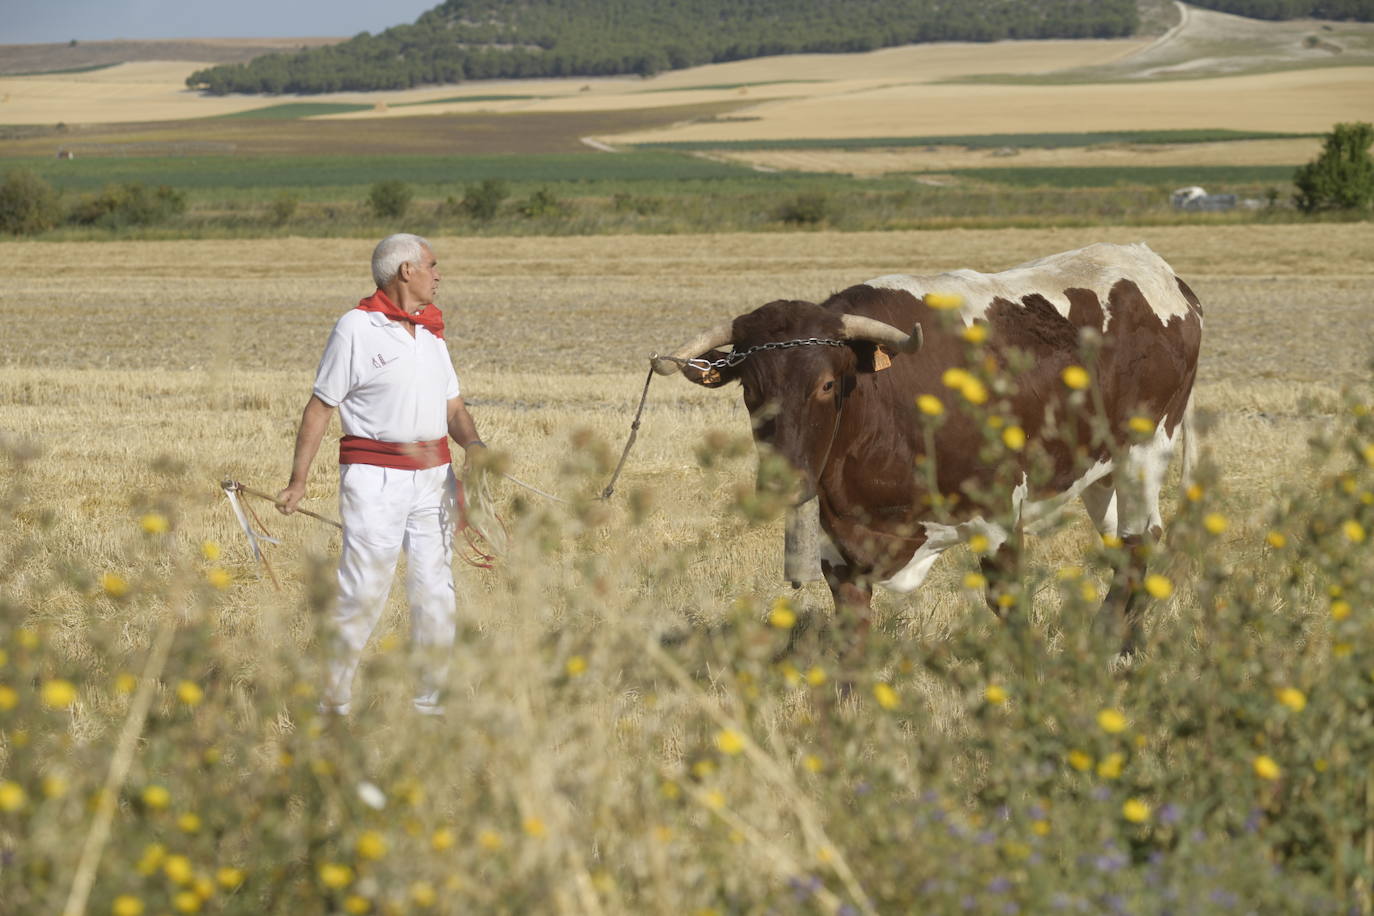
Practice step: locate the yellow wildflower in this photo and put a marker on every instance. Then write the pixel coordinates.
(335, 876)
(1266, 768)
(126, 905)
(1014, 438)
(1135, 811)
(979, 543)
(218, 577)
(1111, 766)
(154, 523)
(178, 869)
(1142, 425)
(490, 840)
(782, 616)
(1293, 698)
(930, 405)
(189, 822)
(210, 550)
(729, 742)
(1214, 522)
(1354, 531)
(1111, 541)
(886, 696)
(975, 580)
(370, 845)
(535, 827)
(423, 895)
(153, 856)
(943, 301)
(229, 877)
(357, 905)
(1076, 377)
(27, 638)
(442, 839)
(975, 333)
(715, 799)
(125, 682)
(190, 693)
(9, 698)
(156, 797)
(576, 665)
(1111, 721)
(187, 902)
(1081, 761)
(1158, 586)
(813, 763)
(1276, 540)
(204, 887)
(12, 796)
(54, 786)
(114, 585)
(58, 694)
(1040, 828)
(995, 695)
(816, 676)
(1340, 609)
(1194, 493)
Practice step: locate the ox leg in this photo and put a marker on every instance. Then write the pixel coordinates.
(1121, 615)
(853, 612)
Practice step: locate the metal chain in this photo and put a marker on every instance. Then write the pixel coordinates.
(735, 357)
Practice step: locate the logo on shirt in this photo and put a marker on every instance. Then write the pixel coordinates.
(380, 360)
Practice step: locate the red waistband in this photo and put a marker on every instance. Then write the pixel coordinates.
(405, 456)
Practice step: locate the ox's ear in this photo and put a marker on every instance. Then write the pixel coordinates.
(711, 378)
(870, 357)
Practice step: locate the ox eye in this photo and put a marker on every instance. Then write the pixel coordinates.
(828, 386)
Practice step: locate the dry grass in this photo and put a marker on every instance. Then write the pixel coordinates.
(148, 371)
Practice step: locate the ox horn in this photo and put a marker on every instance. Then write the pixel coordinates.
(718, 336)
(858, 327)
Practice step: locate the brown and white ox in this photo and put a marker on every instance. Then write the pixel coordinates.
(833, 388)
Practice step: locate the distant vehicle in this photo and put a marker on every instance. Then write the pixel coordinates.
(1196, 198)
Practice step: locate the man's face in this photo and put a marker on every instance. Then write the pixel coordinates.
(421, 278)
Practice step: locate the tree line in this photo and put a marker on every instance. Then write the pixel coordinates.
(1361, 10)
(495, 39)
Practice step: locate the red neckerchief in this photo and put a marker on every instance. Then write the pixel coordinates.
(429, 317)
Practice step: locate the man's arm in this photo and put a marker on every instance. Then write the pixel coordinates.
(314, 421)
(461, 428)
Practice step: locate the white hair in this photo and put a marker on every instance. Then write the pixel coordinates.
(393, 251)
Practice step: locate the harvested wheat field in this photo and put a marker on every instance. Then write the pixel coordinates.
(643, 718)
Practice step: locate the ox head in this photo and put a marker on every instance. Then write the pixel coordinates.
(797, 363)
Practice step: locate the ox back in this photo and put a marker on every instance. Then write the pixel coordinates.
(896, 485)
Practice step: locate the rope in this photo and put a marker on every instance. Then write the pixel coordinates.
(634, 433)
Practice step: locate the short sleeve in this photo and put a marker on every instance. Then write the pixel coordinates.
(334, 377)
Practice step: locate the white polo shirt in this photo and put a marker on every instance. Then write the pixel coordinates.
(387, 385)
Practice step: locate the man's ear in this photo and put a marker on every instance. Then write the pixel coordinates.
(711, 378)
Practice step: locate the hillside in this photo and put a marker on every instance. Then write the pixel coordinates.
(492, 39)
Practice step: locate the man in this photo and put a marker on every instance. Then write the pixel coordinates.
(387, 371)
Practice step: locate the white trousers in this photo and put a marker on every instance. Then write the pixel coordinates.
(385, 511)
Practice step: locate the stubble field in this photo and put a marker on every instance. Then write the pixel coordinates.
(627, 732)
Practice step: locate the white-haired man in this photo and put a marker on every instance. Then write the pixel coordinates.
(388, 372)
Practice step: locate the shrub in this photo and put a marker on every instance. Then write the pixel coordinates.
(1342, 176)
(644, 206)
(283, 207)
(28, 204)
(805, 209)
(544, 203)
(483, 201)
(133, 204)
(389, 199)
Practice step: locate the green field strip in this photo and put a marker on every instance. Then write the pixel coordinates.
(90, 68)
(247, 172)
(986, 141)
(470, 98)
(727, 86)
(1110, 176)
(290, 111)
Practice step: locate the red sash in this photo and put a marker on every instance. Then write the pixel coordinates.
(405, 456)
(429, 317)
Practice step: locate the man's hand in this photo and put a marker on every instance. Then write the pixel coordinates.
(288, 499)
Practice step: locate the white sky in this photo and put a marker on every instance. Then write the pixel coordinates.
(38, 21)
